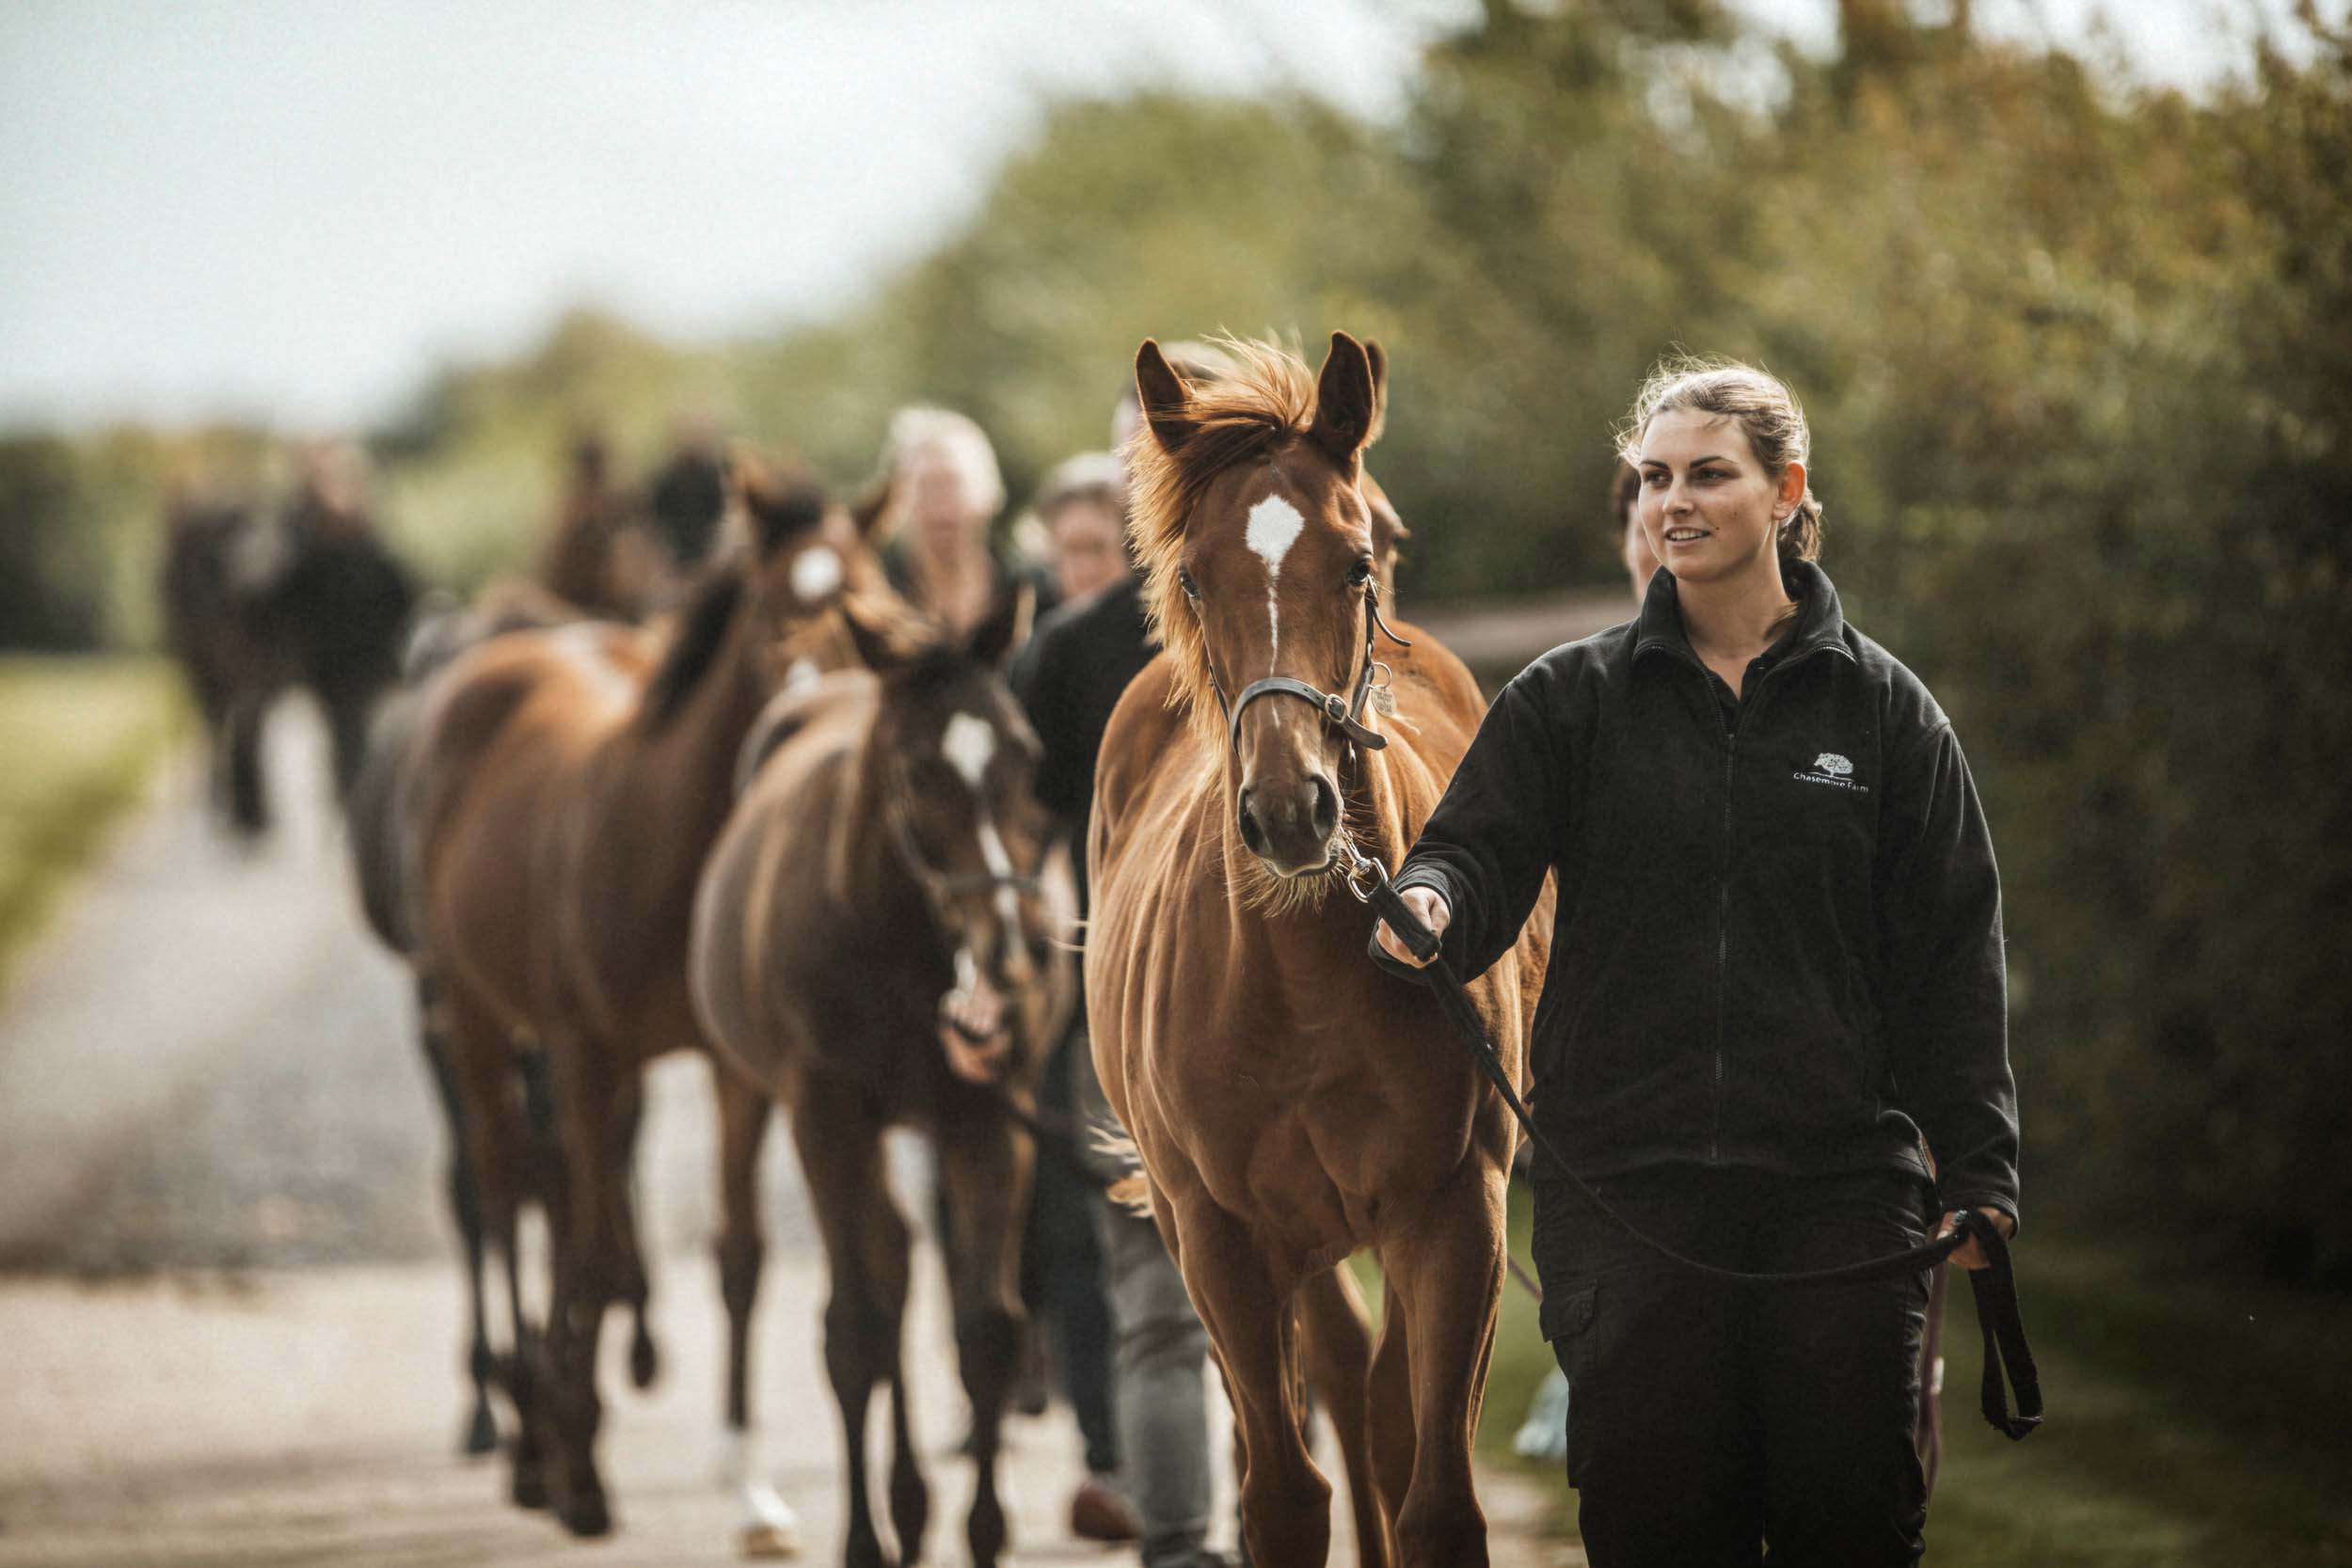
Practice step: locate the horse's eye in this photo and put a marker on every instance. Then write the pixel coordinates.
(1360, 573)
(1184, 580)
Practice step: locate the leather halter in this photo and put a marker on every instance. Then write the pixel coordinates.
(939, 886)
(1344, 714)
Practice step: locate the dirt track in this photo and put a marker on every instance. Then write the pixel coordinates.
(230, 1334)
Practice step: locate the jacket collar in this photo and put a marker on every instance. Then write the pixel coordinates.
(1820, 622)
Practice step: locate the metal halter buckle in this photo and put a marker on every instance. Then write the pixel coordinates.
(1362, 876)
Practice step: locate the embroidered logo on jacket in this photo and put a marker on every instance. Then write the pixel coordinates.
(1833, 769)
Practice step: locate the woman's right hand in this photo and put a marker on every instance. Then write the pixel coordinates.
(1433, 912)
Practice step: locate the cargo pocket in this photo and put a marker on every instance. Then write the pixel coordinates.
(1566, 1319)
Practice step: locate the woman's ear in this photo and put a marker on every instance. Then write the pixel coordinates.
(1791, 491)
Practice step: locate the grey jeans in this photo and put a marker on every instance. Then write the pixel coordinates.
(1162, 1372)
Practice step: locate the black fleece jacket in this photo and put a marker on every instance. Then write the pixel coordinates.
(1779, 937)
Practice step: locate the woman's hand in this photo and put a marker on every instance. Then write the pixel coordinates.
(1970, 1254)
(1433, 912)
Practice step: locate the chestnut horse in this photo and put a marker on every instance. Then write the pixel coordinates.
(559, 798)
(1292, 1104)
(886, 850)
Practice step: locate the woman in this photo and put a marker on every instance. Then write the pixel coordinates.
(1777, 967)
(949, 488)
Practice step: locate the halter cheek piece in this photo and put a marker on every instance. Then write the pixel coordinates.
(1344, 714)
(939, 886)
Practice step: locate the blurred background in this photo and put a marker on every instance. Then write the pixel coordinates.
(2067, 293)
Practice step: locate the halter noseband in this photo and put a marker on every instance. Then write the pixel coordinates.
(1344, 714)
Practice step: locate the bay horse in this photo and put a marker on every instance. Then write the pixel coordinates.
(887, 849)
(558, 799)
(1291, 1104)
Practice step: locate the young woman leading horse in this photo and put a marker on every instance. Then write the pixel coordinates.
(1780, 970)
(1290, 1104)
(561, 794)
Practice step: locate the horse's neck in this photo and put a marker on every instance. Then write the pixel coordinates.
(694, 755)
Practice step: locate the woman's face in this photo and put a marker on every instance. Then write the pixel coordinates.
(1087, 552)
(1708, 509)
(938, 503)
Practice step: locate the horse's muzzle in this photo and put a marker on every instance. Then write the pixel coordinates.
(1291, 828)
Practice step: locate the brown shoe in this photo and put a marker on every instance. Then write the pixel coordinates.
(1099, 1513)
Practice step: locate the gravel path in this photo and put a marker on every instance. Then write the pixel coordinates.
(231, 1317)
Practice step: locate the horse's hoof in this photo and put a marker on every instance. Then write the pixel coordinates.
(767, 1541)
(528, 1488)
(644, 1364)
(587, 1516)
(482, 1433)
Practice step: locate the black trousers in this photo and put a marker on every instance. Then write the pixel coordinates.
(1716, 1424)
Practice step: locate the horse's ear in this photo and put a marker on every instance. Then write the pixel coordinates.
(873, 506)
(1379, 360)
(1345, 404)
(1006, 627)
(775, 505)
(1165, 396)
(873, 635)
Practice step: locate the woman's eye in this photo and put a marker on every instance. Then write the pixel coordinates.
(1655, 480)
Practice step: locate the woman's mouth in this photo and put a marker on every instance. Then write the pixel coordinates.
(1685, 535)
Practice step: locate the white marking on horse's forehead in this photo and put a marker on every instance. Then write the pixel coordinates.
(1275, 526)
(969, 742)
(816, 573)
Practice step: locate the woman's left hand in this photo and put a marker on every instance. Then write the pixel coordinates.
(1970, 1252)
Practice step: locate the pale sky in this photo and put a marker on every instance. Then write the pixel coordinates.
(296, 211)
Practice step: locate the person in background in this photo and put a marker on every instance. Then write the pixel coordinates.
(1069, 678)
(947, 491)
(1640, 562)
(688, 494)
(1780, 912)
(1083, 508)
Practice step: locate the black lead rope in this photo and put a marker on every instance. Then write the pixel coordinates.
(1995, 1286)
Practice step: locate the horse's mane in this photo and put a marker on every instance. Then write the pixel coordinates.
(702, 632)
(1265, 397)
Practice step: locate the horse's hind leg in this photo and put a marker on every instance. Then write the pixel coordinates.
(480, 1434)
(984, 1170)
(1335, 1350)
(767, 1527)
(488, 1104)
(1445, 1271)
(1285, 1500)
(840, 1151)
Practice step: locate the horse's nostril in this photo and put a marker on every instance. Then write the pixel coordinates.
(1325, 814)
(1251, 833)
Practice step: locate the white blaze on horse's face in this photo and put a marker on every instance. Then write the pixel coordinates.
(1274, 527)
(968, 744)
(816, 573)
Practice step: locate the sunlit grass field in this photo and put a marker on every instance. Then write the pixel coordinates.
(2192, 1421)
(79, 738)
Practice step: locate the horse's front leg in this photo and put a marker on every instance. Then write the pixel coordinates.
(1285, 1500)
(767, 1525)
(984, 1171)
(1444, 1259)
(1335, 1349)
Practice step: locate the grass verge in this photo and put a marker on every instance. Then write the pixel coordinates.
(80, 737)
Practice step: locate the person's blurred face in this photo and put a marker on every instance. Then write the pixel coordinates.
(939, 504)
(1087, 551)
(1708, 509)
(1641, 561)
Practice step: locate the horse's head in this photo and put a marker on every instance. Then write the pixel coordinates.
(950, 762)
(1265, 555)
(804, 554)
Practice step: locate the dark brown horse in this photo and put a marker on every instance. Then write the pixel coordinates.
(886, 851)
(1291, 1104)
(560, 796)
